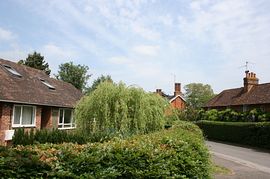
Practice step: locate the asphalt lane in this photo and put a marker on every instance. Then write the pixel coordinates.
(252, 158)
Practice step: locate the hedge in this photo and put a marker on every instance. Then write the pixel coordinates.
(256, 134)
(178, 152)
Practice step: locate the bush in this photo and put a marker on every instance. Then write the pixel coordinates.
(121, 110)
(255, 134)
(229, 115)
(55, 136)
(178, 152)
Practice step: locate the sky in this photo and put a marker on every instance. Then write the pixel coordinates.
(146, 43)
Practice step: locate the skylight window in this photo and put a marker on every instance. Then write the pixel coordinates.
(12, 70)
(47, 84)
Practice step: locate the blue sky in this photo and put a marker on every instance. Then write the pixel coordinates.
(141, 42)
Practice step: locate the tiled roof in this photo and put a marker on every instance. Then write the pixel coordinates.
(29, 89)
(259, 94)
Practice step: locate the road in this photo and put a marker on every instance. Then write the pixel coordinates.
(245, 162)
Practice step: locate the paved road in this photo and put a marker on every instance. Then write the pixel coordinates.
(244, 161)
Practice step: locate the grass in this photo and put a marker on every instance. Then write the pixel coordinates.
(219, 170)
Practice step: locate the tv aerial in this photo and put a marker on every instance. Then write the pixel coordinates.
(246, 66)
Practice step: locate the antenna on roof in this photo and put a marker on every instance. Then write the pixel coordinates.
(174, 77)
(246, 65)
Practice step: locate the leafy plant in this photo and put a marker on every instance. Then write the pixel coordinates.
(117, 109)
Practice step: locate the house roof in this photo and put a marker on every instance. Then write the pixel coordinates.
(259, 94)
(34, 87)
(172, 97)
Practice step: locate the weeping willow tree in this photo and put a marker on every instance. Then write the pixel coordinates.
(115, 108)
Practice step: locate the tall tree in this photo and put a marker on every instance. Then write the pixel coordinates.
(97, 81)
(197, 94)
(37, 61)
(74, 74)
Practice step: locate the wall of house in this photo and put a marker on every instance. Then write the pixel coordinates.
(46, 118)
(5, 122)
(178, 103)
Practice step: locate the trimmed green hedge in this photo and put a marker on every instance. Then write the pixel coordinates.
(178, 152)
(247, 133)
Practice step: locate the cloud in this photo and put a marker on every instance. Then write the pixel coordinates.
(6, 35)
(145, 32)
(55, 55)
(148, 50)
(119, 60)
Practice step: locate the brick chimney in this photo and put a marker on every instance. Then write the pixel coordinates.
(159, 92)
(249, 81)
(177, 89)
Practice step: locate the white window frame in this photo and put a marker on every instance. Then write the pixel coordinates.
(62, 125)
(23, 125)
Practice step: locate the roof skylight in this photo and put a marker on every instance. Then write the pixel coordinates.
(12, 70)
(47, 84)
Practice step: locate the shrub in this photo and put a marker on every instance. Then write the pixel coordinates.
(55, 136)
(117, 109)
(248, 133)
(230, 115)
(178, 152)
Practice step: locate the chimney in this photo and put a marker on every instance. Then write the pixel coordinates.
(177, 89)
(159, 92)
(249, 81)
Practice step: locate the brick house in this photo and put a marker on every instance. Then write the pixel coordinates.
(31, 99)
(177, 100)
(251, 96)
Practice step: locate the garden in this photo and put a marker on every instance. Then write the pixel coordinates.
(122, 132)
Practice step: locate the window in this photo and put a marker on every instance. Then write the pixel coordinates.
(66, 119)
(47, 84)
(245, 108)
(12, 70)
(24, 116)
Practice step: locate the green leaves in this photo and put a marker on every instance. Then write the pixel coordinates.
(36, 61)
(74, 74)
(115, 108)
(178, 152)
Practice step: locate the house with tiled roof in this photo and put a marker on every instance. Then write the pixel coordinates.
(176, 100)
(251, 96)
(29, 98)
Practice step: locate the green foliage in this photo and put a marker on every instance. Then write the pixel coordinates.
(197, 94)
(97, 81)
(55, 136)
(230, 115)
(37, 61)
(175, 153)
(249, 133)
(22, 163)
(74, 74)
(116, 109)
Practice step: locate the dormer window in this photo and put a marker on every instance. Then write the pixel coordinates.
(47, 84)
(12, 70)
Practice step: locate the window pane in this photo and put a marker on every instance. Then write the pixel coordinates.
(67, 116)
(61, 116)
(17, 114)
(27, 115)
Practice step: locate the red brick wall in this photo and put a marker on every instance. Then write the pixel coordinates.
(46, 118)
(5, 122)
(178, 103)
(38, 117)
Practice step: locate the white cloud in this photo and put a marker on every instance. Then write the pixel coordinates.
(119, 60)
(149, 50)
(6, 35)
(145, 32)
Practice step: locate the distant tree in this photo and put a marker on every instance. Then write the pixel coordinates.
(37, 61)
(74, 74)
(97, 81)
(197, 94)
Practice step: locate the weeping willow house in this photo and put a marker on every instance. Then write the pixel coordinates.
(31, 99)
